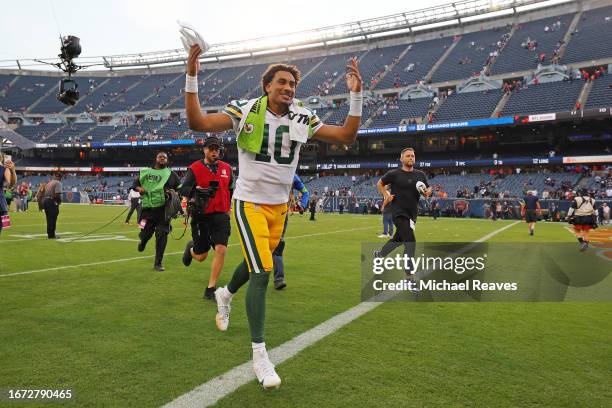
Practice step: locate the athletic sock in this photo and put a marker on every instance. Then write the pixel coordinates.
(256, 305)
(239, 278)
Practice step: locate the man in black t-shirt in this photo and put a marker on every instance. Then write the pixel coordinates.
(403, 199)
(530, 210)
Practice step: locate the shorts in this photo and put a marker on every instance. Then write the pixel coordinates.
(259, 227)
(531, 216)
(584, 223)
(210, 230)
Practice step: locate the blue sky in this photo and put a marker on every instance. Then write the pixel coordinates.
(117, 27)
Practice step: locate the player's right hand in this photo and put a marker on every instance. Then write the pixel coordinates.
(388, 199)
(193, 61)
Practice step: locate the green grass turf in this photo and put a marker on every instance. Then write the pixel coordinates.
(121, 334)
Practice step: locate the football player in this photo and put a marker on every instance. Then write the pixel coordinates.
(271, 129)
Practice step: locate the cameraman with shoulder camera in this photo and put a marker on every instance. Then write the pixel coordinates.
(208, 186)
(582, 215)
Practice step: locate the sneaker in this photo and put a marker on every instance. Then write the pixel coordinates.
(209, 294)
(223, 309)
(264, 370)
(159, 267)
(531, 232)
(383, 236)
(141, 246)
(280, 285)
(376, 254)
(187, 258)
(583, 246)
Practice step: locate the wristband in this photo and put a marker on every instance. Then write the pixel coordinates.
(191, 84)
(355, 103)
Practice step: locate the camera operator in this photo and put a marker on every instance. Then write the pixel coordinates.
(8, 177)
(582, 215)
(51, 203)
(153, 184)
(208, 185)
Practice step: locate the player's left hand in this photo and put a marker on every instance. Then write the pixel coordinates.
(353, 77)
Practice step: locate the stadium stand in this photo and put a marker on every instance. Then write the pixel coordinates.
(543, 35)
(470, 55)
(601, 93)
(543, 98)
(592, 38)
(415, 64)
(469, 105)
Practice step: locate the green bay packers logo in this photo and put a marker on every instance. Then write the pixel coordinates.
(248, 128)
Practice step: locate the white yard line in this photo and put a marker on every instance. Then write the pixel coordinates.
(212, 391)
(57, 268)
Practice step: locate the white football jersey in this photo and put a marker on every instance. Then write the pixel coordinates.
(266, 177)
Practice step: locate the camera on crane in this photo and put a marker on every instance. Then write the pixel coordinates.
(68, 88)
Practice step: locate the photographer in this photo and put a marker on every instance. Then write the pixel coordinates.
(8, 177)
(153, 184)
(208, 186)
(582, 215)
(51, 203)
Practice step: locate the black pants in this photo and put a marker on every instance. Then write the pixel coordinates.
(404, 235)
(51, 213)
(277, 255)
(155, 223)
(134, 205)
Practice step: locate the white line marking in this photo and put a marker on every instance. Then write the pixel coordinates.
(57, 268)
(212, 391)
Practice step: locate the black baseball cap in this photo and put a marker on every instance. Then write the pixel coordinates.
(212, 141)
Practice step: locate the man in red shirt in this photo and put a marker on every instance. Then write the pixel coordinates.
(208, 184)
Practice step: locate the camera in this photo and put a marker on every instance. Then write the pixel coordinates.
(199, 202)
(69, 93)
(68, 88)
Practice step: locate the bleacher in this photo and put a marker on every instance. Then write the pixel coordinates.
(515, 57)
(38, 133)
(26, 90)
(469, 55)
(593, 39)
(415, 108)
(423, 56)
(469, 105)
(543, 98)
(601, 93)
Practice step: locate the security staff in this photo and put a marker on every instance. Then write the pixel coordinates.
(153, 184)
(51, 203)
(208, 185)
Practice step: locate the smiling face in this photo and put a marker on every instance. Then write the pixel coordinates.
(282, 88)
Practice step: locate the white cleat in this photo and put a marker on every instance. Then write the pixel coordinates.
(223, 310)
(264, 370)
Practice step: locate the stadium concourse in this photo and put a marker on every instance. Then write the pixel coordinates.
(498, 99)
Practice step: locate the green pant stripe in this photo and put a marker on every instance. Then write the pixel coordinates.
(241, 236)
(250, 238)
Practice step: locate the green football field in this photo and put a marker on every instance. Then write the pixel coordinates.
(94, 317)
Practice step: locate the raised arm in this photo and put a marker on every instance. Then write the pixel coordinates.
(346, 134)
(198, 121)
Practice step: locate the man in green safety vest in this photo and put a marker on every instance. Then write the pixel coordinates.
(152, 184)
